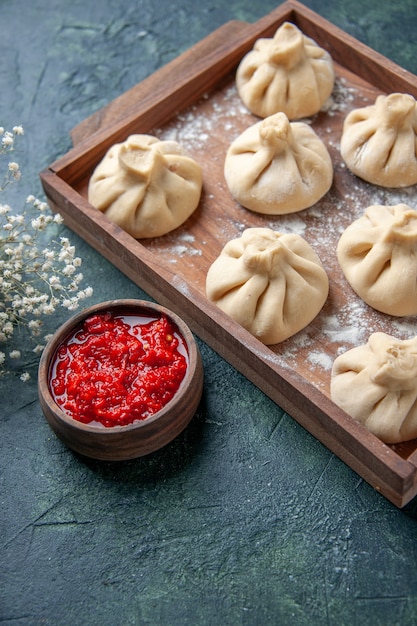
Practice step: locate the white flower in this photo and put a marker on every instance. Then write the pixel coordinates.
(7, 327)
(48, 309)
(14, 170)
(68, 270)
(54, 281)
(7, 140)
(85, 293)
(38, 223)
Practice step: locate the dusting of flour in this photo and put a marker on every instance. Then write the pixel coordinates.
(345, 321)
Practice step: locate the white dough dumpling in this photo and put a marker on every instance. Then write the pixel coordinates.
(378, 256)
(272, 284)
(376, 384)
(277, 167)
(288, 73)
(379, 142)
(146, 186)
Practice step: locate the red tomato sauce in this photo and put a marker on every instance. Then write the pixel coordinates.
(116, 369)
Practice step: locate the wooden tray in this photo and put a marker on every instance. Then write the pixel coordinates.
(193, 99)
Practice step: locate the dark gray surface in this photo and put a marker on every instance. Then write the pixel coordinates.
(245, 518)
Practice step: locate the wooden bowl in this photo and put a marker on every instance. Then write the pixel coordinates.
(141, 437)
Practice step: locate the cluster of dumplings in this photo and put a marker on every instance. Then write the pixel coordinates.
(377, 383)
(274, 284)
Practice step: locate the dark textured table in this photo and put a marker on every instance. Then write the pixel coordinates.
(245, 518)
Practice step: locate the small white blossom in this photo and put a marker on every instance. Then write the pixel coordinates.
(14, 170)
(37, 223)
(85, 293)
(7, 328)
(54, 281)
(48, 309)
(68, 270)
(7, 140)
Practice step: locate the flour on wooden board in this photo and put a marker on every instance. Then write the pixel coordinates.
(321, 225)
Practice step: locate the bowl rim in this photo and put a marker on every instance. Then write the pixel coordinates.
(73, 322)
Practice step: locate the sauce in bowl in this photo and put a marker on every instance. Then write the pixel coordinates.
(117, 368)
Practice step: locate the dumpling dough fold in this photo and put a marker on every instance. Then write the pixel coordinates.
(288, 73)
(378, 256)
(379, 142)
(273, 284)
(376, 384)
(277, 167)
(146, 186)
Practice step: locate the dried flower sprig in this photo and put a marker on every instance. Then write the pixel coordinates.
(34, 280)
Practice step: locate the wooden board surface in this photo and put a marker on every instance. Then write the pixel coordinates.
(194, 101)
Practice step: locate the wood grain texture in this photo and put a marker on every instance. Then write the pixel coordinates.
(194, 100)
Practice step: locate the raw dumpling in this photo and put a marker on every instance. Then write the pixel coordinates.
(276, 167)
(378, 256)
(273, 284)
(146, 186)
(288, 73)
(379, 142)
(376, 384)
